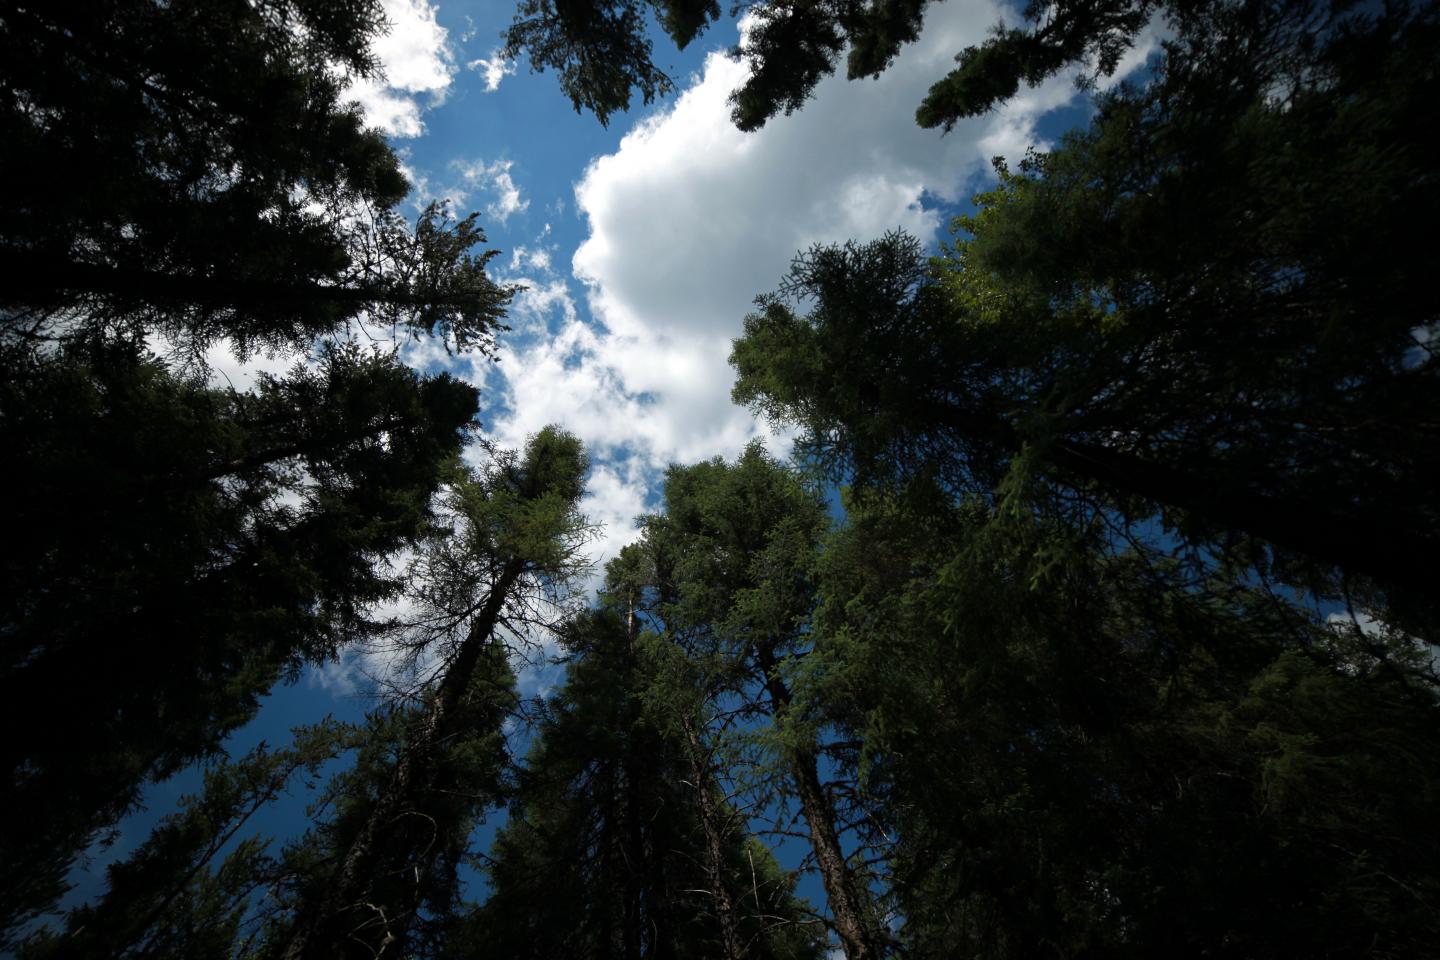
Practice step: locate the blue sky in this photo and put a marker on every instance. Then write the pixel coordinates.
(642, 246)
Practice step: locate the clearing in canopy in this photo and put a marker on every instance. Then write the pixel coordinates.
(1093, 614)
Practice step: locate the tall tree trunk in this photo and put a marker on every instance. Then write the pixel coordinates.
(330, 928)
(710, 823)
(633, 849)
(853, 916)
(633, 857)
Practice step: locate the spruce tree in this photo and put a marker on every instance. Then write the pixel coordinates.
(191, 886)
(1076, 747)
(180, 174)
(387, 863)
(607, 853)
(1181, 313)
(184, 548)
(733, 552)
(397, 827)
(191, 169)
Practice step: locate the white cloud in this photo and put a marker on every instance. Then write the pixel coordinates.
(615, 498)
(689, 219)
(467, 178)
(395, 113)
(557, 368)
(535, 308)
(416, 61)
(533, 258)
(415, 51)
(1147, 43)
(228, 372)
(494, 178)
(494, 68)
(343, 677)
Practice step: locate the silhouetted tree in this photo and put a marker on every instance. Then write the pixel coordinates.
(607, 853)
(391, 854)
(1183, 309)
(181, 549)
(733, 553)
(187, 891)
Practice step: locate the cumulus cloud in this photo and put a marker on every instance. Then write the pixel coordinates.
(395, 113)
(417, 64)
(469, 180)
(689, 219)
(227, 372)
(559, 368)
(615, 499)
(495, 180)
(493, 68)
(532, 258)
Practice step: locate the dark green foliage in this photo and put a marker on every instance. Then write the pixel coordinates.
(1183, 308)
(603, 52)
(1068, 32)
(724, 529)
(166, 900)
(605, 854)
(239, 197)
(1038, 695)
(586, 865)
(734, 557)
(181, 549)
(791, 48)
(1078, 753)
(383, 873)
(600, 50)
(1185, 355)
(430, 792)
(181, 173)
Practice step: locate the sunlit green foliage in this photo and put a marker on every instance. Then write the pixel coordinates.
(1181, 310)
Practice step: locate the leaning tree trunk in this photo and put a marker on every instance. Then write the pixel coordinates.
(710, 823)
(853, 913)
(633, 836)
(345, 916)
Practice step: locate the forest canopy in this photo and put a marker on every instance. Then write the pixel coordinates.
(1093, 615)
